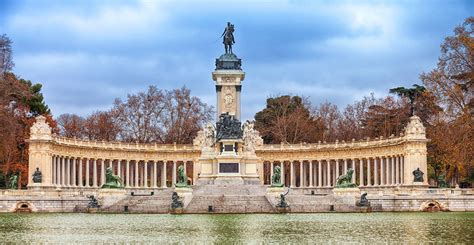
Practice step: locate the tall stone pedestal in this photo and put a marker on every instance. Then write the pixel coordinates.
(345, 199)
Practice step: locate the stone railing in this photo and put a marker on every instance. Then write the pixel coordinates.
(117, 145)
(377, 142)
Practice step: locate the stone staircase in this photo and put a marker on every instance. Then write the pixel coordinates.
(158, 203)
(229, 199)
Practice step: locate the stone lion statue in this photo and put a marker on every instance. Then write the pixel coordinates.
(111, 180)
(276, 179)
(345, 180)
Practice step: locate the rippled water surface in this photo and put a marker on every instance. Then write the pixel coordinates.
(238, 228)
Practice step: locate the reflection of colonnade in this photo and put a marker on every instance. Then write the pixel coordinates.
(371, 171)
(90, 172)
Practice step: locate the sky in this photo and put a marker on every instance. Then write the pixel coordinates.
(87, 53)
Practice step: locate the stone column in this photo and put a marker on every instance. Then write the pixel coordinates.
(185, 163)
(80, 184)
(53, 173)
(345, 165)
(135, 174)
(355, 171)
(282, 163)
(173, 176)
(292, 174)
(163, 174)
(402, 169)
(127, 173)
(68, 171)
(376, 171)
(271, 172)
(361, 172)
(328, 172)
(155, 173)
(74, 176)
(94, 174)
(145, 174)
(87, 172)
(393, 170)
(58, 171)
(320, 183)
(337, 171)
(119, 168)
(382, 170)
(311, 173)
(102, 172)
(397, 170)
(302, 178)
(369, 175)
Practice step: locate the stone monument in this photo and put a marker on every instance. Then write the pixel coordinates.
(228, 149)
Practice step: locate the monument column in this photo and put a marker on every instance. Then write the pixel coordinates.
(173, 176)
(102, 171)
(301, 174)
(361, 174)
(328, 172)
(282, 163)
(292, 174)
(87, 172)
(127, 173)
(376, 174)
(355, 171)
(94, 176)
(271, 171)
(155, 173)
(58, 171)
(369, 175)
(136, 174)
(311, 183)
(145, 174)
(163, 174)
(345, 165)
(80, 184)
(320, 183)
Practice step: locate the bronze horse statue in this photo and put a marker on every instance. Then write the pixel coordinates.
(228, 38)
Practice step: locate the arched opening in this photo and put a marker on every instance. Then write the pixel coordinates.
(23, 207)
(432, 206)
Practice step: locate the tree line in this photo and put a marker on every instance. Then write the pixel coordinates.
(444, 103)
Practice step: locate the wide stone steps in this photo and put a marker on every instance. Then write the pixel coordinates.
(229, 199)
(158, 203)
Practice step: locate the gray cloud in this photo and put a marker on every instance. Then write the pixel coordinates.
(88, 53)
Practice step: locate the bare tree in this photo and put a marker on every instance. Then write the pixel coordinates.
(183, 116)
(100, 125)
(139, 118)
(71, 125)
(6, 59)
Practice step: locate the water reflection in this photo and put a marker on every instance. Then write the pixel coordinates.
(250, 228)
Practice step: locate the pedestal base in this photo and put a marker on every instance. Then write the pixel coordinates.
(229, 180)
(186, 195)
(353, 191)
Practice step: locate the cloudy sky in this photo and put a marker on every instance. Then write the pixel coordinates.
(86, 53)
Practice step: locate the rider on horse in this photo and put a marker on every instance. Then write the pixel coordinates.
(228, 37)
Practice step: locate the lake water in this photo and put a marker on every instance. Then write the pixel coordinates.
(238, 228)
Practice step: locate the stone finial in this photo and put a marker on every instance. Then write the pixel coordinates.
(40, 129)
(415, 129)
